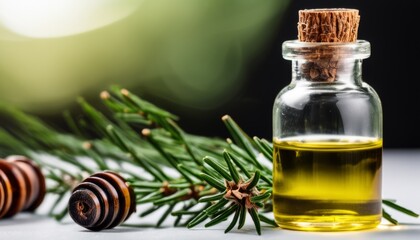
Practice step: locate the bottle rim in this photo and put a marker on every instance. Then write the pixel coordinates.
(295, 50)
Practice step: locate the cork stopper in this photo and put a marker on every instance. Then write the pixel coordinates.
(324, 34)
(328, 25)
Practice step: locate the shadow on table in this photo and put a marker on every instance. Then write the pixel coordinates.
(396, 232)
(383, 232)
(22, 219)
(124, 228)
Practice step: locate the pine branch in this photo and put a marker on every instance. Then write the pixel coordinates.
(213, 180)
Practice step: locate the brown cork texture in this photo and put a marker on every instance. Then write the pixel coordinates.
(334, 25)
(328, 25)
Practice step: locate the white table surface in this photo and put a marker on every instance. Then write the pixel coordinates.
(401, 178)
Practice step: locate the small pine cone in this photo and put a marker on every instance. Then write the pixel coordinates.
(102, 201)
(22, 186)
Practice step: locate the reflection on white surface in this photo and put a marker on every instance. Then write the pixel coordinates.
(56, 18)
(389, 227)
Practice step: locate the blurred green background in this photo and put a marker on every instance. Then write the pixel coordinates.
(200, 59)
(191, 53)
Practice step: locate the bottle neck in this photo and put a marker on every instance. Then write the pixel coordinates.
(325, 62)
(328, 70)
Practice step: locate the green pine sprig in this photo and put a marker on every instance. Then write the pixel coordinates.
(211, 180)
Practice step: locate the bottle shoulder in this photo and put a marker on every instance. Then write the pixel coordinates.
(340, 89)
(298, 95)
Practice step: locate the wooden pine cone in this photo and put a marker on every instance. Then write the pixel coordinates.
(22, 186)
(102, 201)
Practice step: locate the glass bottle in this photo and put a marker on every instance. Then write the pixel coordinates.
(327, 137)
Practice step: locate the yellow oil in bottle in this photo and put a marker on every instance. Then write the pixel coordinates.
(323, 183)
